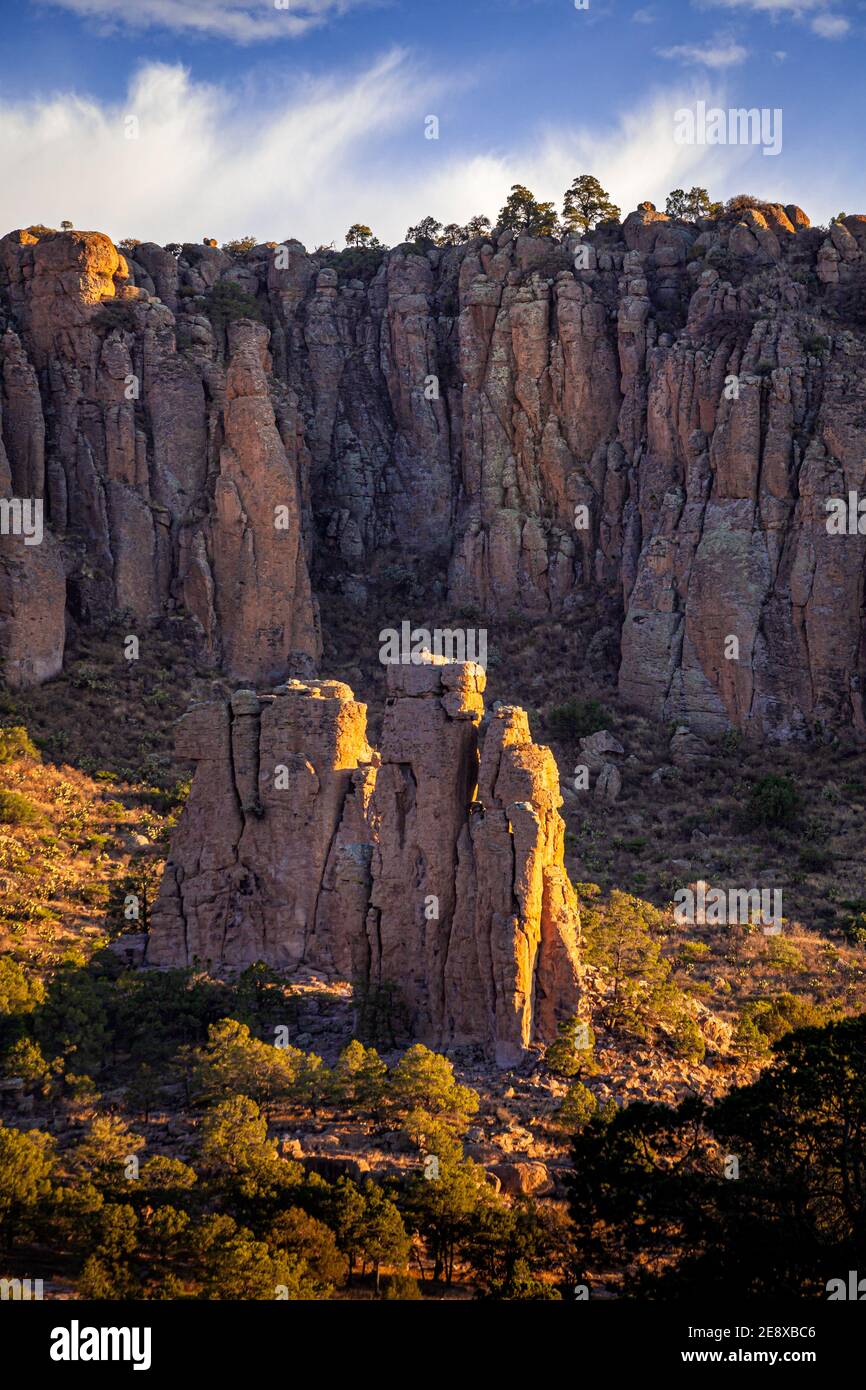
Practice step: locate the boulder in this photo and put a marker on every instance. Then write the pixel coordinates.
(597, 749)
(609, 783)
(523, 1179)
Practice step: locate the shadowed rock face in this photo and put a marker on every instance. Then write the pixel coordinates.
(32, 579)
(163, 466)
(423, 867)
(463, 409)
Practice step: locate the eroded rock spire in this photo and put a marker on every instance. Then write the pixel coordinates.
(434, 867)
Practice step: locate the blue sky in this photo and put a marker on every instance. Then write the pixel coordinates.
(297, 117)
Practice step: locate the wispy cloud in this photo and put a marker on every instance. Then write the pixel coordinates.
(323, 154)
(780, 8)
(241, 21)
(716, 53)
(817, 13)
(206, 159)
(830, 26)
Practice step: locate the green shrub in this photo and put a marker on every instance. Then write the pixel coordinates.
(577, 718)
(229, 301)
(773, 1018)
(355, 262)
(784, 955)
(578, 1107)
(572, 1051)
(773, 801)
(15, 742)
(749, 1041)
(854, 929)
(688, 1040)
(814, 859)
(741, 201)
(240, 246)
(731, 743)
(401, 1286)
(15, 809)
(693, 951)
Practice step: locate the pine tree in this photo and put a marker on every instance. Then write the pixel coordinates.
(586, 204)
(523, 213)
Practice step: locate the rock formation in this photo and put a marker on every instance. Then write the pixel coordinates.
(435, 867)
(32, 578)
(646, 427)
(163, 466)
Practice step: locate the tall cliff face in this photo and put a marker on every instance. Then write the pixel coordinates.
(172, 478)
(648, 427)
(424, 866)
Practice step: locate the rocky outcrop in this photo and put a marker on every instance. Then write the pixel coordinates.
(428, 869)
(156, 455)
(645, 427)
(275, 784)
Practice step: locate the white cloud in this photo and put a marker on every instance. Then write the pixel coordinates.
(793, 8)
(830, 26)
(213, 162)
(716, 53)
(826, 26)
(208, 162)
(644, 16)
(241, 21)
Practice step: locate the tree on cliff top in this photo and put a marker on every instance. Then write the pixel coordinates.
(428, 229)
(523, 213)
(360, 235)
(586, 204)
(688, 207)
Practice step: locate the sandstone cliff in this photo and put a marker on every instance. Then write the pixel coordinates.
(696, 388)
(424, 867)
